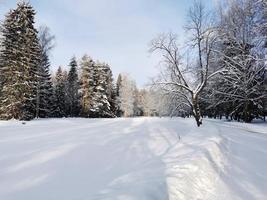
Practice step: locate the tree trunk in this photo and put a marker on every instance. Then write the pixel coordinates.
(196, 111)
(37, 112)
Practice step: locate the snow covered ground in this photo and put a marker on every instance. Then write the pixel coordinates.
(132, 159)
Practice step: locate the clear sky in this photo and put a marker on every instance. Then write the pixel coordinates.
(117, 32)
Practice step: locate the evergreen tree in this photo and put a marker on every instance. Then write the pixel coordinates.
(73, 90)
(113, 100)
(45, 101)
(98, 92)
(87, 83)
(118, 103)
(1, 78)
(111, 92)
(20, 57)
(102, 91)
(60, 99)
(45, 104)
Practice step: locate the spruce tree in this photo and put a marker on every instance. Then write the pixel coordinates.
(45, 104)
(87, 66)
(113, 100)
(1, 78)
(73, 89)
(110, 91)
(119, 111)
(102, 101)
(20, 57)
(60, 98)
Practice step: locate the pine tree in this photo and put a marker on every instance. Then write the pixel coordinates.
(60, 99)
(102, 91)
(45, 95)
(98, 92)
(114, 106)
(73, 89)
(118, 103)
(1, 78)
(20, 57)
(110, 92)
(45, 101)
(87, 83)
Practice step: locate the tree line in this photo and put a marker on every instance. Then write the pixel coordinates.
(28, 89)
(221, 69)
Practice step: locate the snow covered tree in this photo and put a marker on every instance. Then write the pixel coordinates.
(118, 88)
(1, 40)
(1, 82)
(187, 82)
(101, 106)
(98, 93)
(111, 92)
(61, 97)
(20, 57)
(228, 62)
(261, 32)
(73, 90)
(239, 91)
(45, 94)
(126, 96)
(137, 110)
(87, 85)
(149, 101)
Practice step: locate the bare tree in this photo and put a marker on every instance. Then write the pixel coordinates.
(185, 82)
(46, 39)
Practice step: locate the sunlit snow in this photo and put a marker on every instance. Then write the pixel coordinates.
(132, 159)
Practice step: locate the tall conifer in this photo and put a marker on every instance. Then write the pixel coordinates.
(73, 89)
(20, 57)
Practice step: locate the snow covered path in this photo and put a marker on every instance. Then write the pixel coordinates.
(132, 159)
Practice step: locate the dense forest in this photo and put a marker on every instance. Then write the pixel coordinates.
(224, 75)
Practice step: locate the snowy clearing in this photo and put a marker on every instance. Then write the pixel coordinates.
(132, 159)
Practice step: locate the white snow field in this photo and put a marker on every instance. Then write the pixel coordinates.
(132, 159)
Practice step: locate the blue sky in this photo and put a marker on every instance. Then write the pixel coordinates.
(117, 32)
